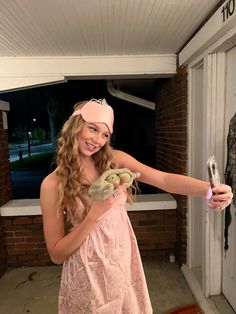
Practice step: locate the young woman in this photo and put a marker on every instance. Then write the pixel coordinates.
(102, 270)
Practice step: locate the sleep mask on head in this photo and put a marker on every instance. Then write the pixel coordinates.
(97, 111)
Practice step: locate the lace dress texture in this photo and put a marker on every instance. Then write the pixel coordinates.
(105, 275)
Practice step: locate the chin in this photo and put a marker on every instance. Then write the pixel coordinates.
(87, 153)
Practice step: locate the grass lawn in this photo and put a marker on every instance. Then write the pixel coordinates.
(40, 161)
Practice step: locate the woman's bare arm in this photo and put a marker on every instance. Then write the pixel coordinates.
(173, 183)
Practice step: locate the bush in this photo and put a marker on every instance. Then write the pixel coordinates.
(39, 134)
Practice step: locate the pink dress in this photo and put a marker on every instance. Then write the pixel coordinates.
(105, 275)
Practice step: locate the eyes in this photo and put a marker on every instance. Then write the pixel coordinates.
(95, 129)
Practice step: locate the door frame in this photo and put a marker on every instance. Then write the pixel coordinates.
(213, 108)
(195, 160)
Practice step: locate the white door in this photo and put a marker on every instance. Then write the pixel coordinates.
(229, 261)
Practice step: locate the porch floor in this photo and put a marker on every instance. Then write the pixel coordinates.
(35, 289)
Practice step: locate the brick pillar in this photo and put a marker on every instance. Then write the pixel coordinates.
(171, 143)
(5, 181)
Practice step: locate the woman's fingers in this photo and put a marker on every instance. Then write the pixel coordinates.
(223, 189)
(221, 198)
(216, 207)
(120, 190)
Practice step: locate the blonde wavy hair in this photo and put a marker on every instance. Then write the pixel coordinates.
(72, 181)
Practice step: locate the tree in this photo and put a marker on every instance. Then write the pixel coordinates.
(52, 109)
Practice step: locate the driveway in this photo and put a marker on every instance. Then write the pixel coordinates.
(26, 183)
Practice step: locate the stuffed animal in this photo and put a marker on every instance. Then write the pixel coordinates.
(109, 181)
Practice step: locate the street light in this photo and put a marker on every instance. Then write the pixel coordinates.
(29, 135)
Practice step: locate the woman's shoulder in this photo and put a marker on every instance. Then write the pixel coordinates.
(124, 160)
(50, 182)
(49, 191)
(116, 157)
(120, 158)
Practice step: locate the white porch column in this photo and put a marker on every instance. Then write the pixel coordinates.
(4, 107)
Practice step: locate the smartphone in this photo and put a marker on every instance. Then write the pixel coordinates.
(213, 173)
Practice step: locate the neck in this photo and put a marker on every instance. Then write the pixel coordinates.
(85, 161)
(90, 171)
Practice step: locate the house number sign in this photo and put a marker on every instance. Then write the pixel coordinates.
(228, 9)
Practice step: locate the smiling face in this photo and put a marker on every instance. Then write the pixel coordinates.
(92, 138)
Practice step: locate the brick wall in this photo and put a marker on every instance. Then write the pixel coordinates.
(25, 241)
(171, 143)
(3, 252)
(5, 188)
(155, 231)
(5, 181)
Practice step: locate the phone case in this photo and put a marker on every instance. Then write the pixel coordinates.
(213, 173)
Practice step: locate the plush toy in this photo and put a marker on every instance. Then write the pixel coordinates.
(109, 181)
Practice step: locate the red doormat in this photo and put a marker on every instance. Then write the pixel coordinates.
(188, 309)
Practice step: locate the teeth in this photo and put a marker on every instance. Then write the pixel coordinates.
(91, 145)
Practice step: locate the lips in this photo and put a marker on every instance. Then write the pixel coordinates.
(91, 147)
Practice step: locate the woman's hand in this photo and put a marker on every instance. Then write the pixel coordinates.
(221, 198)
(98, 208)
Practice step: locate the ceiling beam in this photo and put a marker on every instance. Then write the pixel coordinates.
(18, 72)
(14, 83)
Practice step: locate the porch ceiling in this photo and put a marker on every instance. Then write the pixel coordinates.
(98, 27)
